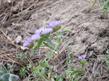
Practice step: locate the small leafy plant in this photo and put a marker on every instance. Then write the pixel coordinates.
(51, 37)
(104, 5)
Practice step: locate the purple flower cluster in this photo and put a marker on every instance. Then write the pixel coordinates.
(82, 57)
(54, 24)
(41, 31)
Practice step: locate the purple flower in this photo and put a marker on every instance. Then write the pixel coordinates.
(38, 31)
(43, 31)
(35, 36)
(82, 57)
(46, 30)
(27, 42)
(54, 24)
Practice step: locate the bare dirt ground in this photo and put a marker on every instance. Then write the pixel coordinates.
(89, 35)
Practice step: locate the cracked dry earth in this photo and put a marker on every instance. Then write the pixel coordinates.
(89, 34)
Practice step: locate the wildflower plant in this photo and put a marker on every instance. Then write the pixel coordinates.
(52, 37)
(73, 73)
(44, 37)
(82, 59)
(42, 34)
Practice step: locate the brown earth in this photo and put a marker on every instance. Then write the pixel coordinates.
(89, 33)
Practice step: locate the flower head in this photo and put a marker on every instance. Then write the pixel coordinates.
(54, 24)
(38, 31)
(46, 30)
(82, 57)
(35, 36)
(43, 31)
(27, 42)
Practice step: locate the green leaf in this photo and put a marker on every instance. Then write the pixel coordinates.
(40, 41)
(105, 5)
(83, 62)
(56, 28)
(13, 77)
(1, 73)
(9, 77)
(49, 44)
(44, 63)
(5, 77)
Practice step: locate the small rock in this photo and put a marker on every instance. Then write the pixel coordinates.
(18, 39)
